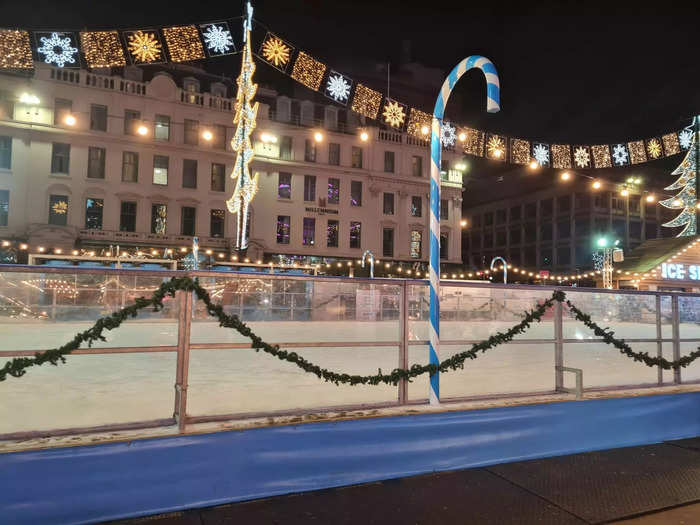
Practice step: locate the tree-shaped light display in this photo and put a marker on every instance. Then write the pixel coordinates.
(686, 200)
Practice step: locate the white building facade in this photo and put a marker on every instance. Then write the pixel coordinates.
(91, 160)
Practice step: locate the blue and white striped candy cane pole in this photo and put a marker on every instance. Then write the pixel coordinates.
(493, 105)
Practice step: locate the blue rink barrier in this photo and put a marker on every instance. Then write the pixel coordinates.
(118, 480)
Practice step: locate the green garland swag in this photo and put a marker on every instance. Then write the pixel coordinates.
(17, 366)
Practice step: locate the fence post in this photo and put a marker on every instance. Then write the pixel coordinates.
(184, 325)
(675, 320)
(659, 344)
(403, 342)
(558, 347)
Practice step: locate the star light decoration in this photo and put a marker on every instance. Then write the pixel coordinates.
(620, 155)
(338, 87)
(217, 39)
(276, 52)
(449, 135)
(15, 50)
(582, 158)
(58, 49)
(654, 148)
(60, 207)
(541, 154)
(144, 47)
(496, 147)
(394, 113)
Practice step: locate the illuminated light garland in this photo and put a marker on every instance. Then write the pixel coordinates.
(686, 200)
(144, 47)
(540, 152)
(601, 156)
(58, 49)
(276, 51)
(338, 87)
(217, 38)
(637, 151)
(183, 43)
(308, 71)
(671, 144)
(394, 113)
(102, 49)
(561, 156)
(366, 101)
(496, 147)
(15, 50)
(474, 142)
(520, 151)
(654, 148)
(582, 157)
(417, 122)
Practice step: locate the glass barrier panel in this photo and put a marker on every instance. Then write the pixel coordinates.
(418, 387)
(692, 371)
(238, 381)
(689, 317)
(666, 317)
(603, 365)
(667, 353)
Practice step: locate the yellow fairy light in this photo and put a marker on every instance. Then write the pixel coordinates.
(601, 156)
(654, 148)
(637, 152)
(145, 47)
(561, 156)
(565, 176)
(624, 192)
(308, 71)
(520, 152)
(15, 50)
(276, 51)
(417, 120)
(496, 147)
(366, 101)
(394, 113)
(183, 43)
(462, 136)
(474, 142)
(651, 198)
(364, 136)
(596, 185)
(102, 49)
(671, 144)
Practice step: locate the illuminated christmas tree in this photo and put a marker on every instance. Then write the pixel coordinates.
(686, 201)
(245, 113)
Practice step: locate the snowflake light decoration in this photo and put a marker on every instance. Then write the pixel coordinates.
(58, 50)
(144, 47)
(620, 155)
(394, 113)
(581, 157)
(496, 147)
(449, 134)
(654, 148)
(217, 38)
(684, 137)
(276, 52)
(338, 87)
(541, 154)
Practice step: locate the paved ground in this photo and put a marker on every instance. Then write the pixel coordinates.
(649, 485)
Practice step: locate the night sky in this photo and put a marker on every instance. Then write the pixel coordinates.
(572, 79)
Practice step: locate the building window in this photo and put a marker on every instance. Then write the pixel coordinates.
(218, 177)
(387, 242)
(600, 200)
(488, 218)
(515, 213)
(444, 210)
(309, 150)
(635, 229)
(5, 153)
(500, 216)
(416, 206)
(332, 233)
(583, 226)
(649, 227)
(635, 204)
(60, 158)
(515, 235)
(563, 255)
(96, 163)
(58, 210)
(284, 186)
(389, 161)
(546, 231)
(416, 247)
(501, 236)
(444, 245)
(546, 257)
(219, 140)
(417, 166)
(162, 130)
(355, 193)
(216, 223)
(488, 240)
(563, 204)
(61, 109)
(286, 148)
(333, 191)
(130, 166)
(563, 229)
(309, 232)
(160, 170)
(531, 210)
(309, 188)
(189, 174)
(355, 234)
(334, 154)
(4, 207)
(546, 208)
(189, 215)
(98, 117)
(131, 121)
(127, 217)
(583, 201)
(530, 232)
(159, 218)
(356, 157)
(283, 229)
(388, 204)
(192, 132)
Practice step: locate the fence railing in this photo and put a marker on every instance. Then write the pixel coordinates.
(355, 326)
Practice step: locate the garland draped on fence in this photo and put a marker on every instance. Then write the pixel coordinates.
(17, 367)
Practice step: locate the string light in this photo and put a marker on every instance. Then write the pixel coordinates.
(183, 43)
(364, 136)
(671, 144)
(102, 49)
(637, 152)
(308, 71)
(565, 176)
(601, 156)
(596, 185)
(418, 122)
(318, 136)
(15, 50)
(366, 101)
(561, 156)
(534, 164)
(474, 142)
(142, 130)
(624, 192)
(69, 120)
(520, 151)
(208, 135)
(651, 198)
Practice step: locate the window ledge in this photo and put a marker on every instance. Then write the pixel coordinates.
(59, 176)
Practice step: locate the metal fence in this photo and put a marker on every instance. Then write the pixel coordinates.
(356, 326)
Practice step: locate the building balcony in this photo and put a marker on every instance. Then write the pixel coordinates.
(150, 239)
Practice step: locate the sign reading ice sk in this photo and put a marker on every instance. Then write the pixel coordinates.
(681, 272)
